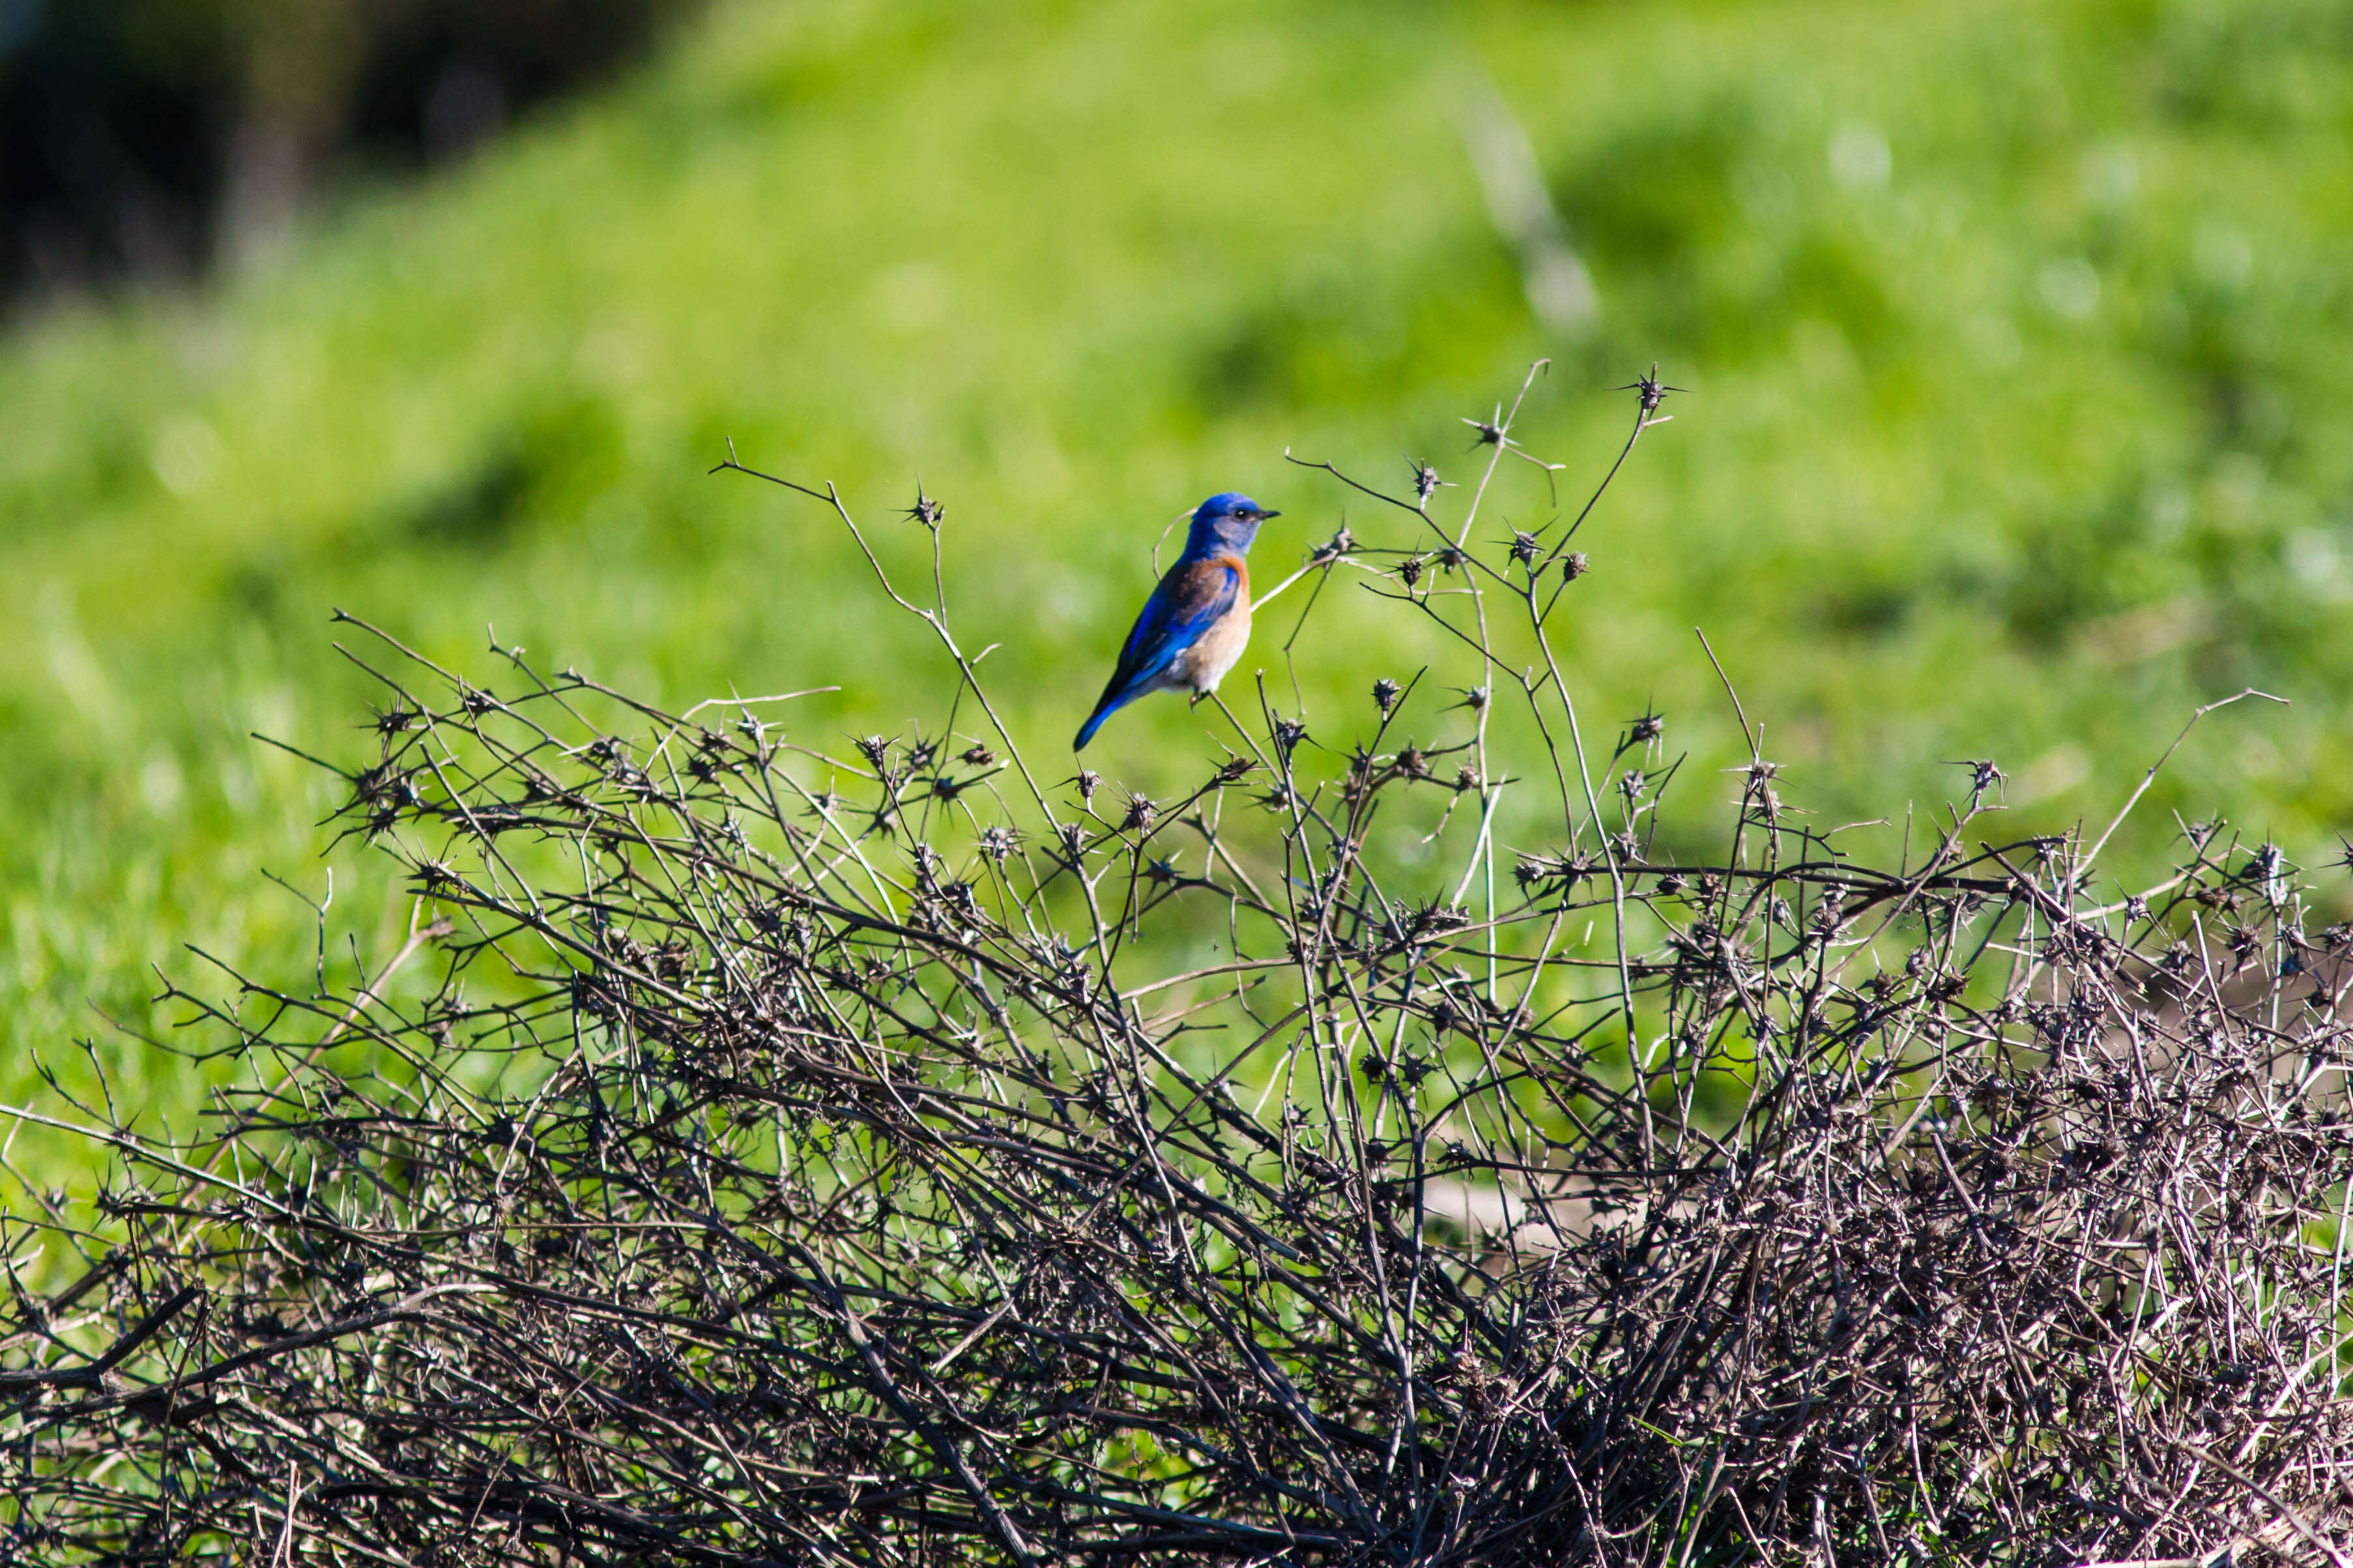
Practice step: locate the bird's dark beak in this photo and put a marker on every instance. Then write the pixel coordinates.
(1264, 515)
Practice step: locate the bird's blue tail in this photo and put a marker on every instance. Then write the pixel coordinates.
(1087, 730)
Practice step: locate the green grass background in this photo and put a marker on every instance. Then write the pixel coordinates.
(2016, 443)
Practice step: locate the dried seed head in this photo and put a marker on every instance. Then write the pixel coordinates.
(926, 510)
(1385, 696)
(1646, 729)
(1334, 548)
(1409, 569)
(998, 841)
(1088, 781)
(873, 748)
(370, 785)
(1425, 480)
(977, 757)
(2269, 867)
(1140, 812)
(1524, 546)
(1573, 565)
(1653, 391)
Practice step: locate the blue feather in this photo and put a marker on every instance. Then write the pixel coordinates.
(1188, 601)
(1172, 620)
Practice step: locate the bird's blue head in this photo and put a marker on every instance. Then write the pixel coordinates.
(1227, 522)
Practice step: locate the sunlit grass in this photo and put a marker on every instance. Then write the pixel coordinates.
(2017, 332)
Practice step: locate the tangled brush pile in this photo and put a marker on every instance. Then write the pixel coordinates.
(762, 1156)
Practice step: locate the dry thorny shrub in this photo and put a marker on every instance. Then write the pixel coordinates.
(771, 1156)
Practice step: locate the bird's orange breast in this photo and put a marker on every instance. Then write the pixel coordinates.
(1200, 666)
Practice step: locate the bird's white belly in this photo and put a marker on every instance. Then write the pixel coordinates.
(1200, 666)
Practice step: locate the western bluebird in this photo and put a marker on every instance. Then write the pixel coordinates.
(1193, 626)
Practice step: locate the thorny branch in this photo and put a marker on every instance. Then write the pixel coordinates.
(765, 1152)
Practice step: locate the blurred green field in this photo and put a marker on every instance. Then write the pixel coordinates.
(2020, 334)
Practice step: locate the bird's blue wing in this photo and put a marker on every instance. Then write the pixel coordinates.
(1188, 600)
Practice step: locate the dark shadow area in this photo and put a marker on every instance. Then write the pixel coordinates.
(141, 141)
